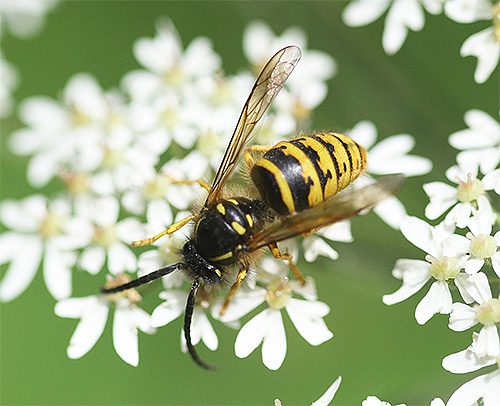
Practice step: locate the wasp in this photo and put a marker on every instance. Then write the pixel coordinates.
(298, 183)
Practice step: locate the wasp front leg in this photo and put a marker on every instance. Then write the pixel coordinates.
(287, 257)
(200, 182)
(171, 229)
(239, 280)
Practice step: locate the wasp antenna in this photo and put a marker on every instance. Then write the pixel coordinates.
(187, 327)
(145, 279)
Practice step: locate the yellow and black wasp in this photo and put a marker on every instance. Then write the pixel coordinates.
(297, 183)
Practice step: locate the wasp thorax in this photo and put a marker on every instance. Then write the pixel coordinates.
(488, 313)
(482, 245)
(443, 268)
(278, 293)
(104, 235)
(469, 190)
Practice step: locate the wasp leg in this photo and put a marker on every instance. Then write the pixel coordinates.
(239, 280)
(287, 257)
(200, 182)
(249, 159)
(171, 229)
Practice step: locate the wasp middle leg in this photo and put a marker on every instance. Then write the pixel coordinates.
(287, 257)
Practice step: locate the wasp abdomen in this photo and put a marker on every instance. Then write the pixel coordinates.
(302, 173)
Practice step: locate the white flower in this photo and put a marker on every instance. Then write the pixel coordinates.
(65, 134)
(402, 15)
(478, 245)
(108, 238)
(463, 198)
(93, 314)
(327, 397)
(25, 18)
(168, 65)
(41, 229)
(485, 387)
(416, 273)
(389, 156)
(485, 44)
(463, 317)
(479, 143)
(306, 88)
(267, 327)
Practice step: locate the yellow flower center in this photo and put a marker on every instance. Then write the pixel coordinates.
(156, 188)
(470, 190)
(488, 313)
(104, 236)
(278, 293)
(51, 225)
(482, 245)
(443, 268)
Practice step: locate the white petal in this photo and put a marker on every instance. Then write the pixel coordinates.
(314, 246)
(462, 317)
(391, 211)
(173, 307)
(22, 269)
(274, 345)
(125, 338)
(488, 342)
(24, 215)
(92, 259)
(93, 313)
(121, 258)
(364, 133)
(441, 196)
(57, 271)
(307, 318)
(420, 234)
(463, 11)
(415, 275)
(159, 213)
(243, 303)
(251, 335)
(486, 49)
(327, 397)
(474, 288)
(473, 265)
(465, 361)
(402, 15)
(437, 300)
(471, 391)
(363, 12)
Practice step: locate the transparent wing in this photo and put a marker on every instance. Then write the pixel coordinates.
(267, 86)
(336, 209)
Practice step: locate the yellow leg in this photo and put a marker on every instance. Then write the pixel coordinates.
(171, 229)
(287, 257)
(200, 182)
(249, 159)
(239, 280)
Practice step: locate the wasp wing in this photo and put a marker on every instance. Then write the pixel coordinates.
(336, 209)
(267, 86)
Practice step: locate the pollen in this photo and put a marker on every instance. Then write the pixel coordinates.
(482, 245)
(443, 268)
(470, 190)
(113, 158)
(488, 313)
(278, 293)
(130, 294)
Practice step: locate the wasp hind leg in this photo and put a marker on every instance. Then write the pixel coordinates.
(249, 158)
(287, 257)
(171, 229)
(236, 285)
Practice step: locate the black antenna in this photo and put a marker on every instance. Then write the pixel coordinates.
(146, 278)
(187, 327)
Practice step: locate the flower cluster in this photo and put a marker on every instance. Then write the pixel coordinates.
(128, 164)
(462, 253)
(404, 15)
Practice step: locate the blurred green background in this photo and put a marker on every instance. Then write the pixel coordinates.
(424, 90)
